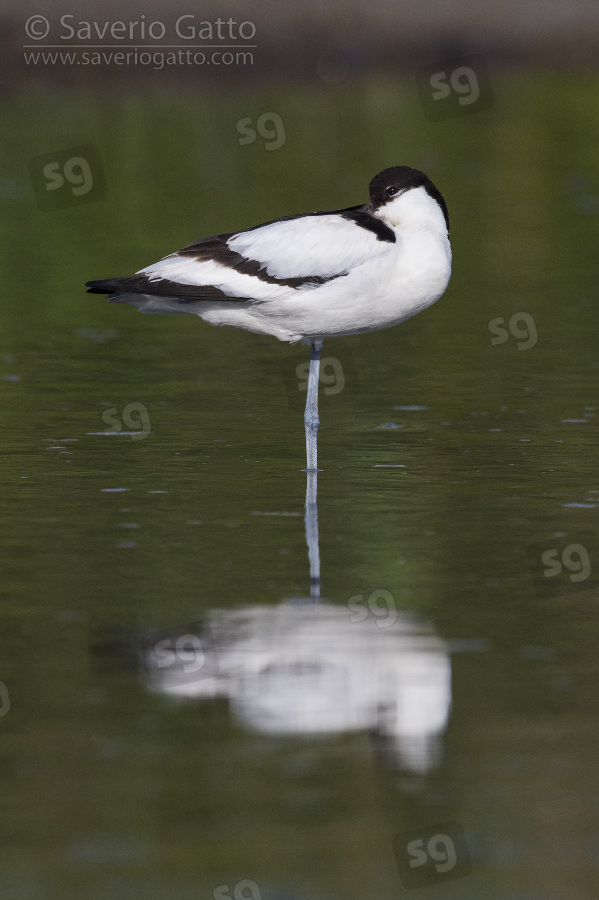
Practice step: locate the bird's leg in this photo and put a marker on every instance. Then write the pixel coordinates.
(311, 420)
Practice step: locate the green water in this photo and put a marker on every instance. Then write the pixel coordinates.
(111, 790)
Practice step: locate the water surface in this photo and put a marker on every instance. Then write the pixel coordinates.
(451, 464)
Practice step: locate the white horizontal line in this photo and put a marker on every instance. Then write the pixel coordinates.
(140, 46)
(276, 514)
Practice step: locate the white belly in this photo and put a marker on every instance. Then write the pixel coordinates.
(378, 294)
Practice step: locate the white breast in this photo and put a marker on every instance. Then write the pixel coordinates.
(379, 294)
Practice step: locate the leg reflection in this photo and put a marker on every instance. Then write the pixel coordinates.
(311, 521)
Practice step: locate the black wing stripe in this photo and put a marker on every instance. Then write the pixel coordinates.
(216, 249)
(141, 284)
(361, 216)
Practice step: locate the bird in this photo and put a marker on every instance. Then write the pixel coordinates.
(311, 276)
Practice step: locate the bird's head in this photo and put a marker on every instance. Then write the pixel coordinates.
(406, 197)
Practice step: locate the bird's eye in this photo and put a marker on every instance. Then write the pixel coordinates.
(392, 190)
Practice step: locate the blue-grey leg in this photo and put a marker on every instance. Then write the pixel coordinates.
(311, 523)
(311, 420)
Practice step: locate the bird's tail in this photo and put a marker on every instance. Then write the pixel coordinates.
(130, 290)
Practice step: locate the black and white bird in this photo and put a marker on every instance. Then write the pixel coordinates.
(310, 276)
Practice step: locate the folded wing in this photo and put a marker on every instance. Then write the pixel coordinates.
(270, 261)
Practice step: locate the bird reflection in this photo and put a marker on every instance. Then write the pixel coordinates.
(312, 668)
(308, 669)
